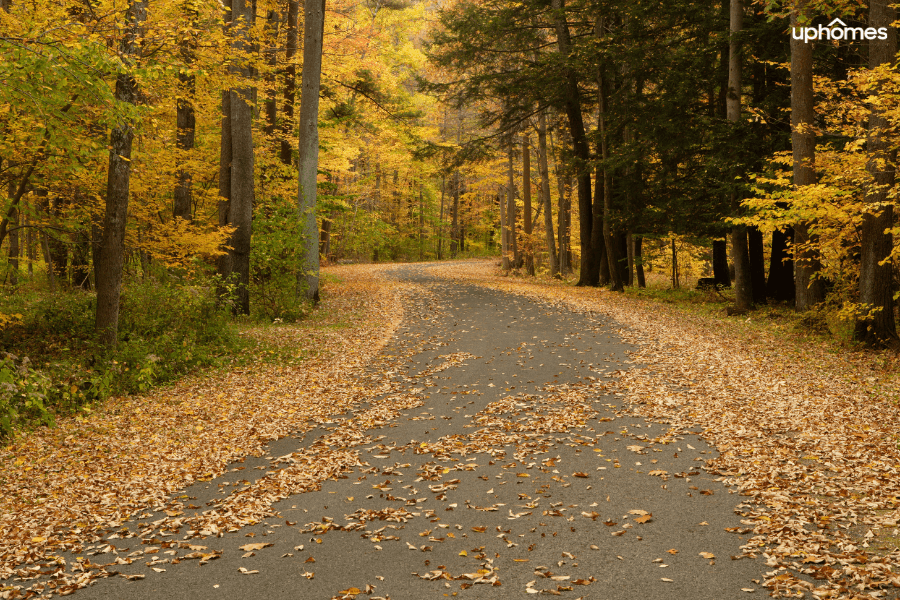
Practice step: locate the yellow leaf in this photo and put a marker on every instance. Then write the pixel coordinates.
(463, 553)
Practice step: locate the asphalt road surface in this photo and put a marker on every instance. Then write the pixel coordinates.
(520, 474)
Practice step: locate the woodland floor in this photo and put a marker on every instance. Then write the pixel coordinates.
(460, 433)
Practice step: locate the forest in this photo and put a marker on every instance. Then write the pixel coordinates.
(173, 170)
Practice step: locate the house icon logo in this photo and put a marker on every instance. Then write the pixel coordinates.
(837, 30)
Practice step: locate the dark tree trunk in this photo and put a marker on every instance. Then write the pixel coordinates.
(240, 213)
(454, 228)
(743, 282)
(111, 251)
(440, 231)
(808, 288)
(612, 250)
(876, 289)
(526, 198)
(589, 269)
(185, 119)
(511, 212)
(639, 261)
(780, 285)
(720, 263)
(290, 82)
(271, 54)
(757, 264)
(14, 251)
(81, 267)
(545, 195)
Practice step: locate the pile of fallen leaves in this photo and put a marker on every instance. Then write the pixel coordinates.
(810, 437)
(66, 487)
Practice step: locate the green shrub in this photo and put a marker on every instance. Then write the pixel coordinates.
(25, 394)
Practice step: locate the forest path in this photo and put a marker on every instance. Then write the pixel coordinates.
(512, 467)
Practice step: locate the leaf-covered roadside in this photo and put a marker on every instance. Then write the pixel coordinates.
(810, 439)
(65, 487)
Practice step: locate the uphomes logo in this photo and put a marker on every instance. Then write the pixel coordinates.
(838, 30)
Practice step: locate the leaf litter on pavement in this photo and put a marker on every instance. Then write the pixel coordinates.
(810, 438)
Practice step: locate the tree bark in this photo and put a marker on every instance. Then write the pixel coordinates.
(313, 33)
(504, 238)
(511, 211)
(720, 263)
(612, 253)
(290, 82)
(545, 194)
(757, 265)
(526, 199)
(454, 230)
(14, 250)
(876, 289)
(743, 283)
(243, 182)
(111, 251)
(639, 261)
(808, 288)
(589, 272)
(780, 285)
(186, 121)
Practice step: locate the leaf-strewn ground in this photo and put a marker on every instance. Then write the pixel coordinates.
(811, 437)
(66, 487)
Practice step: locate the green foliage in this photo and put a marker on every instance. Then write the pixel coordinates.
(165, 331)
(24, 394)
(275, 263)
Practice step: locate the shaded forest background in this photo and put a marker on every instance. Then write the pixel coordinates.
(172, 169)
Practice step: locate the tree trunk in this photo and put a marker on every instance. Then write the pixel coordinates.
(589, 272)
(629, 241)
(185, 119)
(111, 251)
(612, 253)
(504, 238)
(290, 82)
(14, 251)
(240, 213)
(440, 231)
(639, 261)
(511, 211)
(808, 288)
(720, 263)
(780, 285)
(313, 33)
(545, 194)
(271, 55)
(454, 230)
(565, 266)
(743, 283)
(526, 199)
(757, 264)
(876, 290)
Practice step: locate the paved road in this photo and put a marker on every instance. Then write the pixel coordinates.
(549, 489)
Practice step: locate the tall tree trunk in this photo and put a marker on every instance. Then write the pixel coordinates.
(454, 231)
(440, 232)
(612, 253)
(313, 33)
(720, 263)
(743, 283)
(589, 273)
(876, 290)
(14, 250)
(808, 288)
(271, 54)
(780, 285)
(511, 211)
(243, 182)
(184, 108)
(545, 194)
(629, 241)
(504, 237)
(223, 263)
(111, 251)
(639, 261)
(290, 82)
(526, 198)
(565, 266)
(757, 264)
